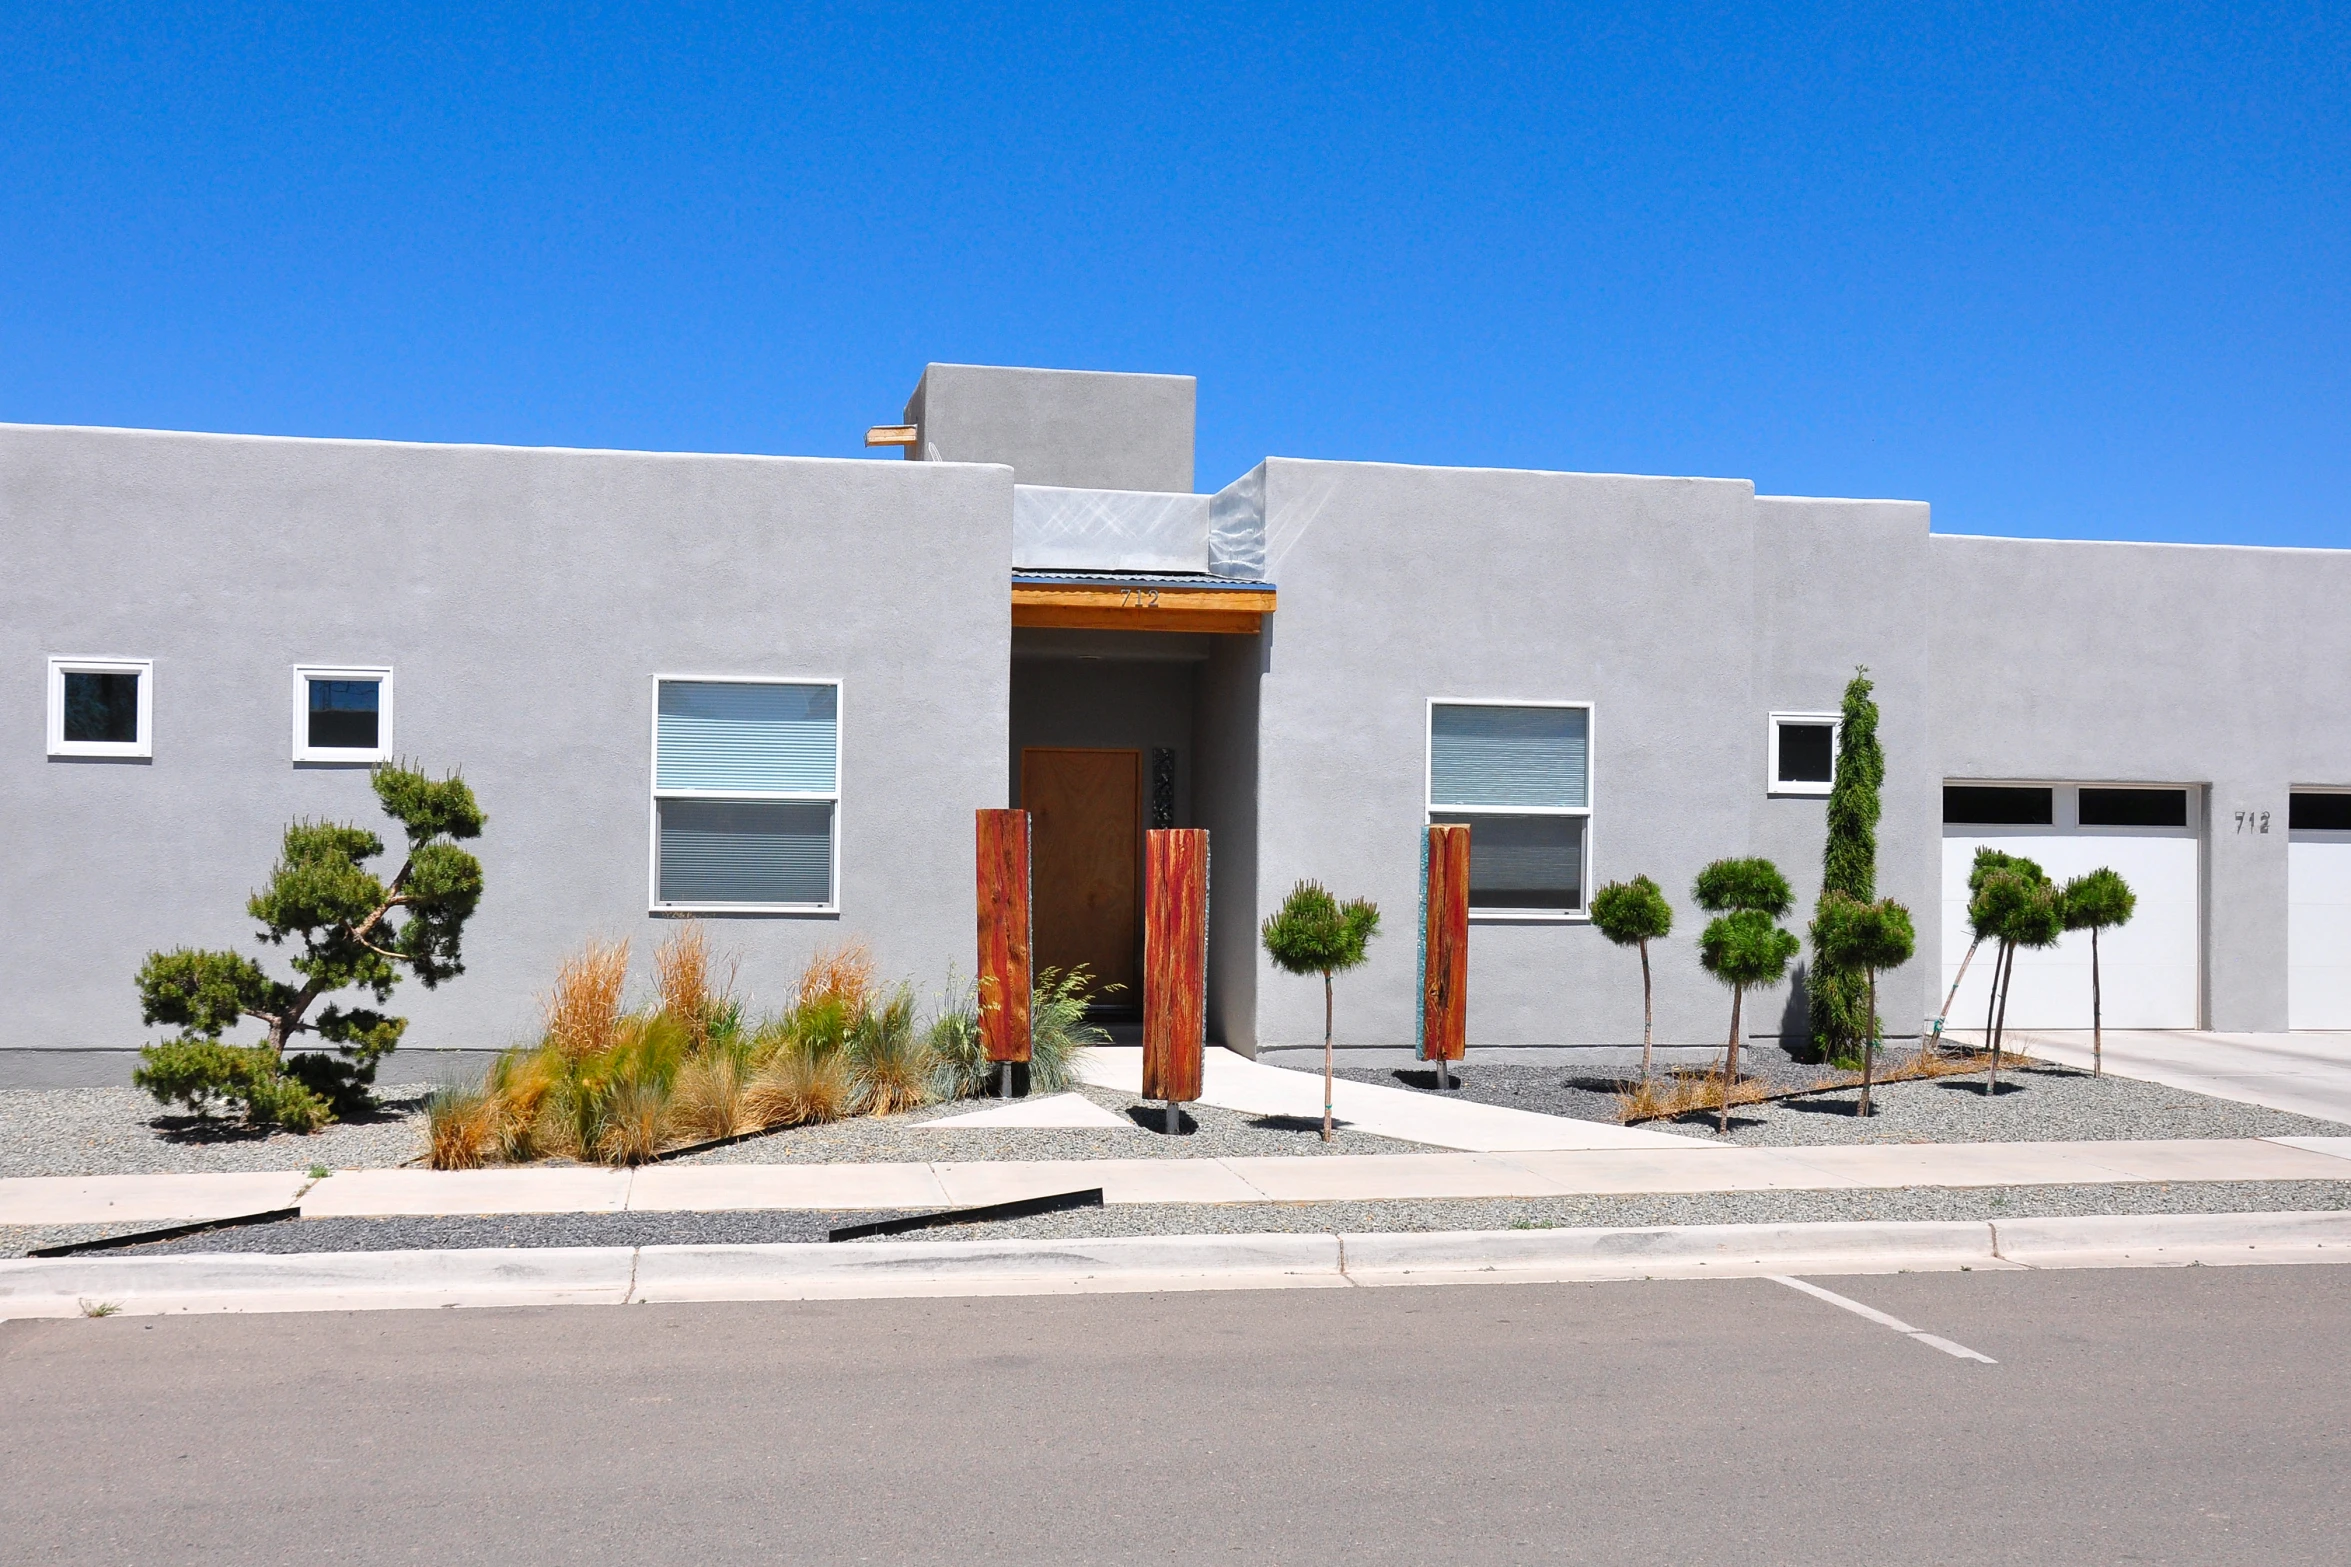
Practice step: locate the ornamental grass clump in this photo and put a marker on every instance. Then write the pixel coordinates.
(607, 1084)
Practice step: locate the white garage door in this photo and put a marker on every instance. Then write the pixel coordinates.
(2151, 968)
(2318, 912)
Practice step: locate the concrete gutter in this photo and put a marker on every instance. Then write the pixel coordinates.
(614, 1275)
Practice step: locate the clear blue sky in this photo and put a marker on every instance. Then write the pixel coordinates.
(2058, 269)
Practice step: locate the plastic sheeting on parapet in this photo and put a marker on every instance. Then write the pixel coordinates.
(1057, 529)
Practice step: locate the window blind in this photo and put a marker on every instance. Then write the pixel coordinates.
(753, 738)
(1531, 863)
(746, 851)
(1505, 756)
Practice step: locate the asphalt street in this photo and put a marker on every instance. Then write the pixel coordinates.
(2195, 1416)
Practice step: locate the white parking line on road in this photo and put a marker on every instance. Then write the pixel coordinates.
(1933, 1341)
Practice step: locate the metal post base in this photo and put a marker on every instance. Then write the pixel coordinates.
(1174, 1122)
(1005, 1090)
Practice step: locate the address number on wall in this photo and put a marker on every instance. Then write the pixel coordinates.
(1138, 598)
(2253, 821)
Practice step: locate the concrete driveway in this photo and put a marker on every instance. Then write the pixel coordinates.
(2307, 1073)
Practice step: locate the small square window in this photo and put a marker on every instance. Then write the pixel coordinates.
(101, 707)
(1803, 753)
(342, 714)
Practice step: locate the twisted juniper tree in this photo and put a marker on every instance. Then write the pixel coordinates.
(1635, 913)
(355, 932)
(1839, 993)
(1314, 933)
(1745, 946)
(2016, 906)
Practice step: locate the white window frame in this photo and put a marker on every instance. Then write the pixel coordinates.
(1432, 811)
(142, 747)
(304, 751)
(1772, 783)
(657, 794)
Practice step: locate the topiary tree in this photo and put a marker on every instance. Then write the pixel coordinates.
(355, 931)
(1314, 933)
(2095, 902)
(1635, 913)
(1745, 946)
(1987, 860)
(1849, 868)
(2017, 906)
(1863, 938)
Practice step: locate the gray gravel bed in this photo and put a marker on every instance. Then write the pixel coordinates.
(2036, 1104)
(1794, 1207)
(1214, 1134)
(123, 1131)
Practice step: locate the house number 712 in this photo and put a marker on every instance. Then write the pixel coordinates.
(1138, 598)
(2253, 821)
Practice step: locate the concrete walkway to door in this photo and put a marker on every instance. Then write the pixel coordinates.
(2306, 1073)
(1233, 1082)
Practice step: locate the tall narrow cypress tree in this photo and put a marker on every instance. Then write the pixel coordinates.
(1841, 1021)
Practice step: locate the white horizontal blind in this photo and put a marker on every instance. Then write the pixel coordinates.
(746, 851)
(1529, 757)
(746, 737)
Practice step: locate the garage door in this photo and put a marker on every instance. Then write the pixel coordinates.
(2318, 911)
(2152, 967)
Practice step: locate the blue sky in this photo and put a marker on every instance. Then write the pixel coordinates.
(2059, 269)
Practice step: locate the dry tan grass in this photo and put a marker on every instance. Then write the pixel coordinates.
(683, 974)
(799, 1087)
(711, 1098)
(632, 1130)
(465, 1128)
(845, 974)
(583, 1010)
(1685, 1092)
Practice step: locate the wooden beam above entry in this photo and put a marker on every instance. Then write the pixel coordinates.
(1102, 606)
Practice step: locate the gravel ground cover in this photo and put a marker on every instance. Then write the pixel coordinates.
(671, 1229)
(2036, 1104)
(1213, 1134)
(123, 1131)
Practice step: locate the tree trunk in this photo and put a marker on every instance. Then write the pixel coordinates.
(1992, 1000)
(2097, 1019)
(1869, 1046)
(1648, 1013)
(1730, 1063)
(1960, 978)
(2000, 1032)
(1326, 1056)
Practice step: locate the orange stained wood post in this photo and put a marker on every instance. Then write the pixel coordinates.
(1004, 969)
(1444, 984)
(1175, 962)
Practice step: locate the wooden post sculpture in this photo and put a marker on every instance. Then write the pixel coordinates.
(1175, 964)
(1444, 947)
(1004, 968)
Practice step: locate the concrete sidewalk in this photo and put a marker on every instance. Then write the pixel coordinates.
(2306, 1073)
(1232, 1082)
(1687, 1166)
(616, 1275)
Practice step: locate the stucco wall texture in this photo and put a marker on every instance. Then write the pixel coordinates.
(525, 600)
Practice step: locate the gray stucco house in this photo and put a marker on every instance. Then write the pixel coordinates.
(771, 691)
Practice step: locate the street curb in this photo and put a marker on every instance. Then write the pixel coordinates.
(614, 1275)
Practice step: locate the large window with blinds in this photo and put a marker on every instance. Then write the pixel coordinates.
(746, 794)
(1520, 775)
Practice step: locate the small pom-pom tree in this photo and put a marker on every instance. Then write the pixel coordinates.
(1744, 946)
(1314, 933)
(355, 931)
(2094, 902)
(1633, 914)
(1864, 938)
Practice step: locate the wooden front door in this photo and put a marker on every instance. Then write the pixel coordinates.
(1086, 852)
